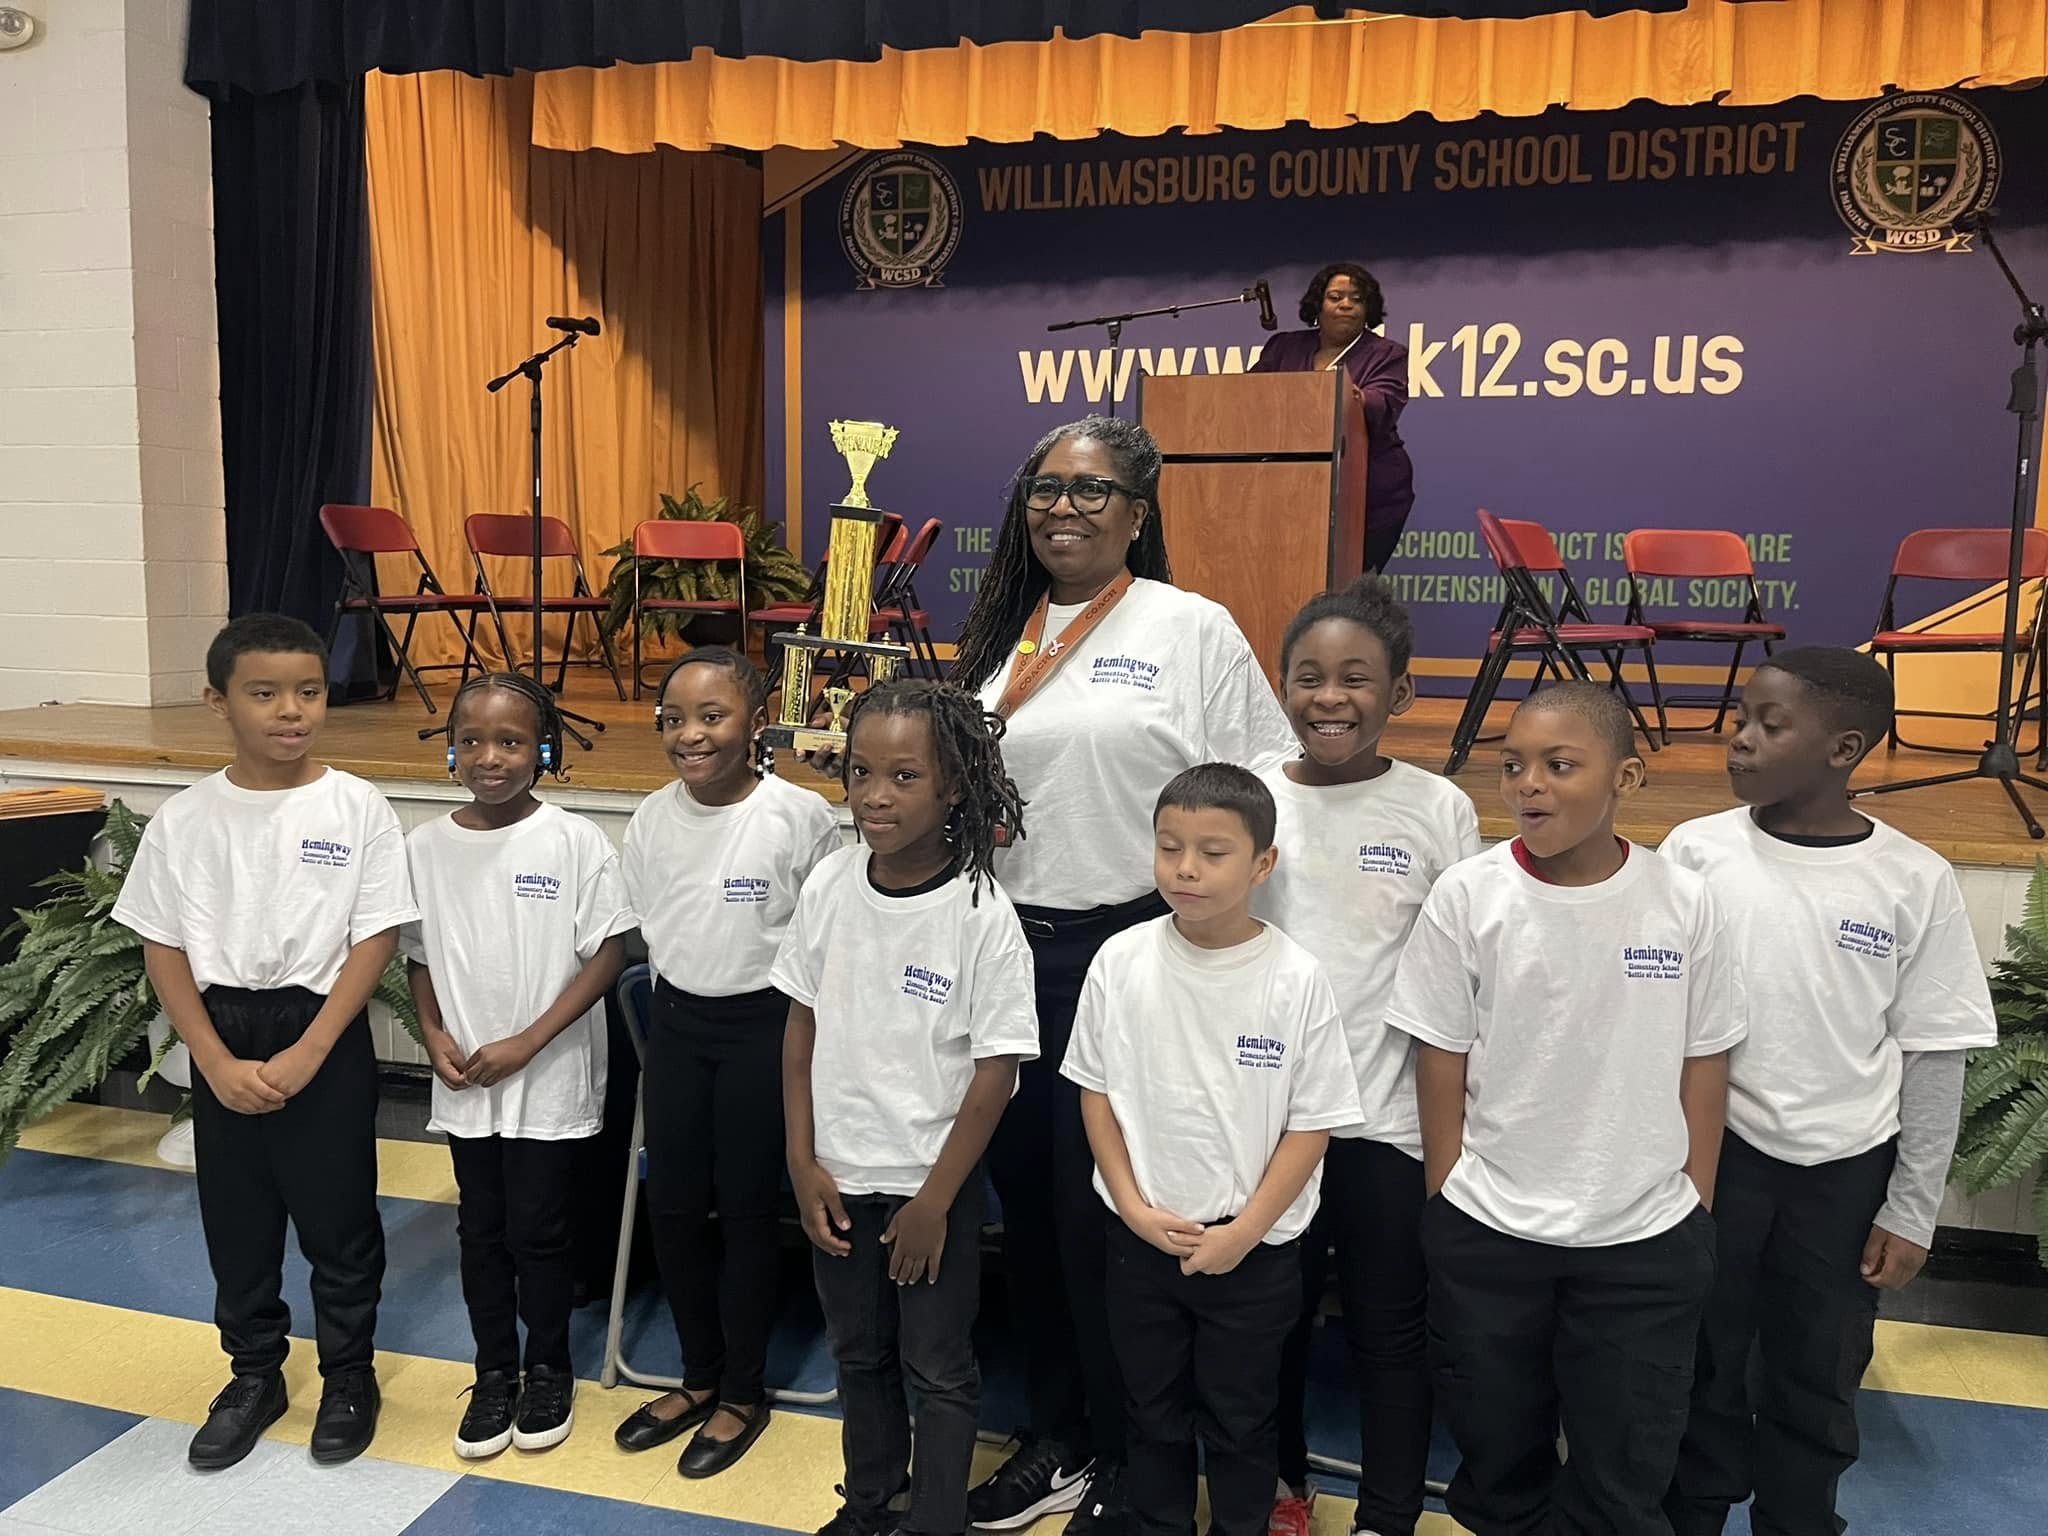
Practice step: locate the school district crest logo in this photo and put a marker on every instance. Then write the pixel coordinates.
(900, 220)
(1909, 167)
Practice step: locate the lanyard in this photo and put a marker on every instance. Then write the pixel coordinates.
(1037, 661)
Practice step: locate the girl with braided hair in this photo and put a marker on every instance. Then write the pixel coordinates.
(713, 864)
(910, 1009)
(1111, 681)
(523, 917)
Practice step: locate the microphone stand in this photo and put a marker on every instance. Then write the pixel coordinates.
(531, 369)
(2000, 761)
(1114, 324)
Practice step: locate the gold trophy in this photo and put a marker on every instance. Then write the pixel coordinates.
(843, 610)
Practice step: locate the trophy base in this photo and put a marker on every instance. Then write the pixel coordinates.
(804, 738)
(790, 640)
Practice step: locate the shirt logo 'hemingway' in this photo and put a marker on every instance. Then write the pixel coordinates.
(745, 892)
(1384, 859)
(324, 852)
(1260, 1051)
(926, 985)
(1641, 963)
(536, 887)
(1865, 939)
(1126, 672)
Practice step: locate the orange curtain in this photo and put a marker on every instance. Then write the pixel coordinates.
(475, 236)
(1293, 69)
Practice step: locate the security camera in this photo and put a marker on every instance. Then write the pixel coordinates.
(17, 28)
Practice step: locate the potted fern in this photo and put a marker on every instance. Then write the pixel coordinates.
(2004, 1135)
(774, 574)
(75, 1000)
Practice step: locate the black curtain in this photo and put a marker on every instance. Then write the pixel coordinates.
(272, 45)
(292, 278)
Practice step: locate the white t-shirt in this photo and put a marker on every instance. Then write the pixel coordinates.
(909, 992)
(1356, 861)
(1576, 1007)
(715, 884)
(1208, 1057)
(1164, 682)
(507, 919)
(267, 888)
(1850, 956)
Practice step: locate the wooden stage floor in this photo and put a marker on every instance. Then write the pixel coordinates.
(1967, 823)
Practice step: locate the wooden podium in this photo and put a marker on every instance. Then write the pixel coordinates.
(1263, 491)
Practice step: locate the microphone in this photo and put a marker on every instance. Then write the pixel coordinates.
(1977, 219)
(587, 326)
(1263, 292)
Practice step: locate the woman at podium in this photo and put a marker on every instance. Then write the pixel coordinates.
(1342, 305)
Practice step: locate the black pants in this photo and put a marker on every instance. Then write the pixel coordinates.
(1053, 1256)
(515, 1220)
(1201, 1359)
(886, 1337)
(314, 1162)
(713, 1090)
(1372, 1213)
(1527, 1337)
(1789, 1283)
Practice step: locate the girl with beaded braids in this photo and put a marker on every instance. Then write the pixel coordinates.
(713, 864)
(910, 1011)
(1111, 681)
(523, 917)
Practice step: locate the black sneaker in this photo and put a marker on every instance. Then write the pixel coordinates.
(857, 1522)
(487, 1426)
(1101, 1510)
(1042, 1478)
(236, 1419)
(347, 1420)
(547, 1409)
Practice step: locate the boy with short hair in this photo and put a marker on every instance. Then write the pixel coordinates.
(269, 898)
(1867, 990)
(1213, 1066)
(1573, 1005)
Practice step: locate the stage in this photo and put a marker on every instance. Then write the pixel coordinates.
(112, 746)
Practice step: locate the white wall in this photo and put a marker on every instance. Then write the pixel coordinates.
(113, 568)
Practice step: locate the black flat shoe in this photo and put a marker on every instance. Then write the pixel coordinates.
(236, 1421)
(705, 1457)
(643, 1431)
(347, 1420)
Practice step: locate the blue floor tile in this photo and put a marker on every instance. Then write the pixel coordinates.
(42, 1436)
(483, 1506)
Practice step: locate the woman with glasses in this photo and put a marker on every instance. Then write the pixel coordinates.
(1343, 308)
(1111, 680)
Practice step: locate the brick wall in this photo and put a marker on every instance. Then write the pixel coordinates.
(112, 556)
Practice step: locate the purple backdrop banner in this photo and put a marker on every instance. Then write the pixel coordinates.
(1758, 320)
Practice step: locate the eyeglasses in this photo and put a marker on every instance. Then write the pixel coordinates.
(1085, 493)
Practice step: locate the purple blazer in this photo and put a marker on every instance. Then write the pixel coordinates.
(1379, 368)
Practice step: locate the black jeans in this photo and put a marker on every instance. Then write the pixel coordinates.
(515, 1221)
(713, 1091)
(1043, 1171)
(314, 1162)
(1201, 1359)
(886, 1336)
(1789, 1283)
(1372, 1213)
(1525, 1337)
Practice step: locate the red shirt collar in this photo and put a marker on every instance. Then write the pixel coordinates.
(1528, 861)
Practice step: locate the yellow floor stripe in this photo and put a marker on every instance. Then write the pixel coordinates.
(406, 1170)
(170, 1368)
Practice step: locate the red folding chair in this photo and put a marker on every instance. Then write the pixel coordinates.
(509, 536)
(359, 535)
(1558, 636)
(663, 539)
(1697, 554)
(898, 611)
(1979, 558)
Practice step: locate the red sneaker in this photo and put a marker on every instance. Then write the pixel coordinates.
(1292, 1516)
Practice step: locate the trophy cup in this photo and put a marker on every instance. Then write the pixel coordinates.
(843, 610)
